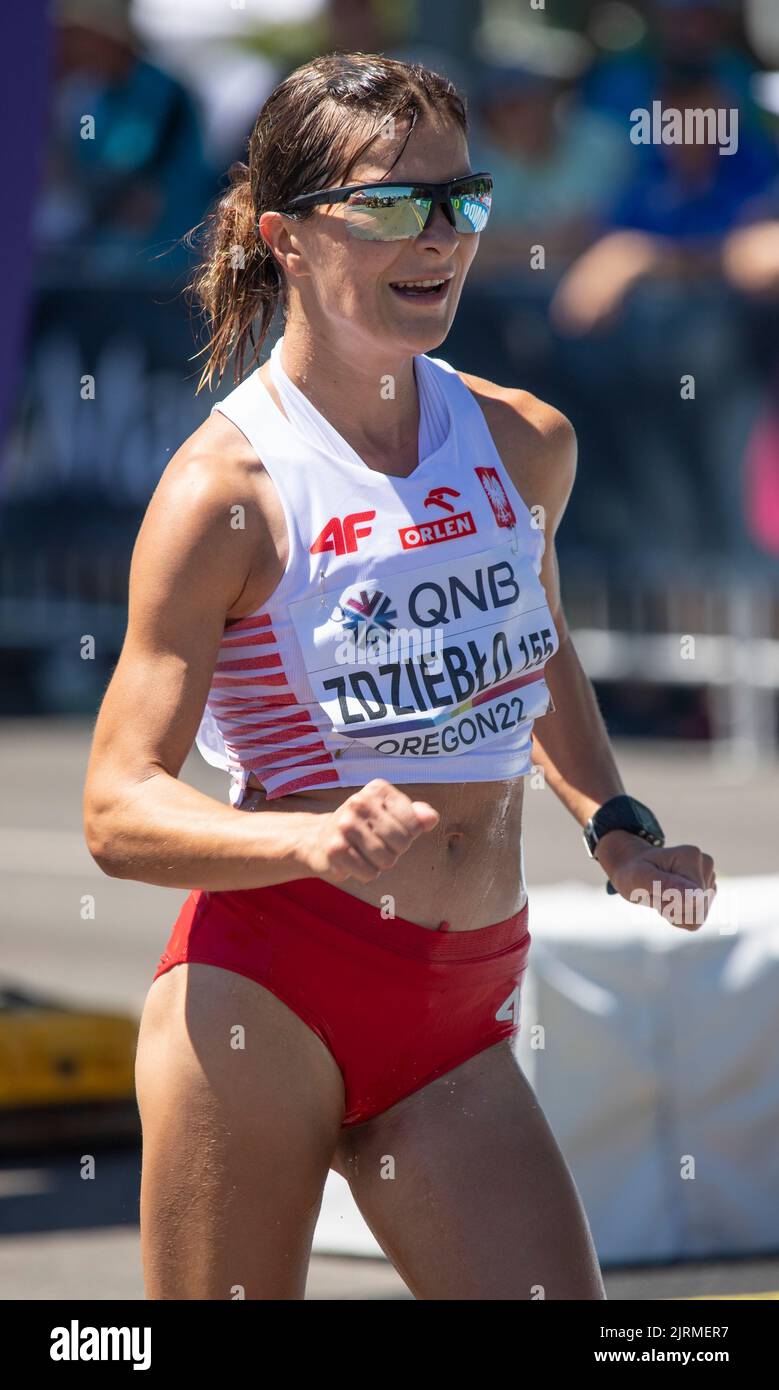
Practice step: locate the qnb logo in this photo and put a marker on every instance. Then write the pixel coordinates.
(446, 528)
(76, 1343)
(509, 1009)
(340, 536)
(368, 612)
(496, 495)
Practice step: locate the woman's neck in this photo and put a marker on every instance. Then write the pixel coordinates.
(369, 398)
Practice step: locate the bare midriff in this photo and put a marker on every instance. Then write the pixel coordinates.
(466, 872)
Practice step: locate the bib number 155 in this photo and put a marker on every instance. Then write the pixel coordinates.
(541, 646)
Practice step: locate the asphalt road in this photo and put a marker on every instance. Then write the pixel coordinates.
(57, 1233)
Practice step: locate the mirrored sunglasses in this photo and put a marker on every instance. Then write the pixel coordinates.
(394, 211)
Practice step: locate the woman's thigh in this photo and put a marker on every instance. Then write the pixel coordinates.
(241, 1107)
(466, 1190)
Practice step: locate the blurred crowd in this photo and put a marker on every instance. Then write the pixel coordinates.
(552, 120)
(663, 255)
(611, 271)
(661, 281)
(634, 285)
(126, 169)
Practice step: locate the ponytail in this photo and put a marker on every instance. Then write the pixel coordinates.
(238, 282)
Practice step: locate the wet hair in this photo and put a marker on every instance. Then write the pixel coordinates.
(306, 136)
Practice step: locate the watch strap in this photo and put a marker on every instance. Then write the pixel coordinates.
(620, 815)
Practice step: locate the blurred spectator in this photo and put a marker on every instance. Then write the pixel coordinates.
(762, 479)
(750, 262)
(750, 255)
(703, 32)
(750, 258)
(653, 289)
(22, 149)
(674, 213)
(117, 195)
(556, 167)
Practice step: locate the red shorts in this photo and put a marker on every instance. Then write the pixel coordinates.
(396, 1004)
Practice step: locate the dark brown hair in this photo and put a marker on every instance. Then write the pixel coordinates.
(303, 139)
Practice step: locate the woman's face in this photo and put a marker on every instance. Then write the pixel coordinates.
(344, 285)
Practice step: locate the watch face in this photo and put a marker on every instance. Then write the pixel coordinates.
(647, 822)
(645, 819)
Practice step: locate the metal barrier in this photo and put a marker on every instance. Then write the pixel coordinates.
(720, 632)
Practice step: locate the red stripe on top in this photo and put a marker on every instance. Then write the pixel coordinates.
(227, 706)
(256, 639)
(249, 663)
(298, 783)
(288, 721)
(247, 624)
(283, 735)
(231, 682)
(269, 762)
(278, 736)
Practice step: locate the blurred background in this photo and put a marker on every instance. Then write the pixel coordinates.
(635, 287)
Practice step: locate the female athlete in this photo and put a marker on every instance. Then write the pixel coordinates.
(345, 587)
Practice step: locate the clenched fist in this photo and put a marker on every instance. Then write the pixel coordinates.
(368, 833)
(679, 881)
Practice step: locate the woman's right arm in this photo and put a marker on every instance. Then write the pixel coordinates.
(190, 566)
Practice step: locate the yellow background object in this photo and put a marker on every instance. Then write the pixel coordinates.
(48, 1056)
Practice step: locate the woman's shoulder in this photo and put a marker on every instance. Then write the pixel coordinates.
(522, 419)
(216, 479)
(214, 519)
(215, 461)
(535, 440)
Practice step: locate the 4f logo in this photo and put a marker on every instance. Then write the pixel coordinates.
(369, 615)
(341, 537)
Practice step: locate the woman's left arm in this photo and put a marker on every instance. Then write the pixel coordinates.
(571, 744)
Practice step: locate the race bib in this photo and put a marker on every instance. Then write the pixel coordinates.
(434, 659)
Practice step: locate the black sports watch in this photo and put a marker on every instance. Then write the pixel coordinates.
(622, 813)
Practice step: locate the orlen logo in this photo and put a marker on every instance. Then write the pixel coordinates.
(342, 536)
(436, 495)
(442, 529)
(496, 494)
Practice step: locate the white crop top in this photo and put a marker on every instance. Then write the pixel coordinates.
(408, 634)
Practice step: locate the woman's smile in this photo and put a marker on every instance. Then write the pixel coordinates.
(433, 290)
